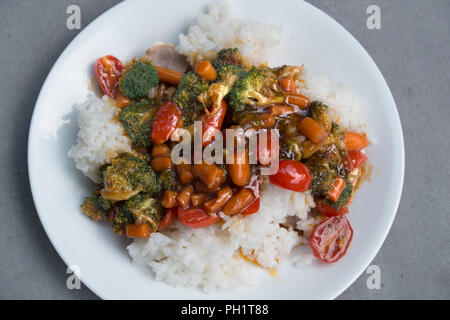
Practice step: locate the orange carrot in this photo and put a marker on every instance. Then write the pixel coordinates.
(206, 70)
(298, 100)
(138, 230)
(355, 141)
(336, 189)
(169, 76)
(122, 102)
(281, 110)
(311, 129)
(287, 84)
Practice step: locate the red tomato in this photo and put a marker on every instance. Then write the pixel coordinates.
(108, 70)
(331, 238)
(169, 218)
(292, 175)
(167, 119)
(212, 123)
(252, 208)
(354, 160)
(196, 218)
(329, 211)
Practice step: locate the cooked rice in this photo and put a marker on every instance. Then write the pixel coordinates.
(207, 36)
(100, 138)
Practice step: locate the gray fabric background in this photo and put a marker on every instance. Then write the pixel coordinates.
(412, 50)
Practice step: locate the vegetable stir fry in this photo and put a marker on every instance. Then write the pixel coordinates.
(144, 191)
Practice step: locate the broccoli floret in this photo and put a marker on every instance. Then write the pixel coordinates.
(167, 179)
(319, 112)
(138, 78)
(227, 77)
(127, 176)
(189, 88)
(337, 137)
(229, 56)
(257, 87)
(122, 216)
(344, 197)
(143, 208)
(137, 119)
(322, 174)
(92, 209)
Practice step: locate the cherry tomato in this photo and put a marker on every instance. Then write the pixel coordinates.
(196, 218)
(252, 208)
(354, 160)
(331, 238)
(108, 70)
(169, 217)
(292, 175)
(167, 119)
(329, 211)
(212, 123)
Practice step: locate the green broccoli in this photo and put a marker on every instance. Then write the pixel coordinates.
(189, 88)
(229, 56)
(122, 216)
(143, 208)
(126, 176)
(137, 119)
(227, 76)
(291, 149)
(167, 179)
(322, 175)
(92, 209)
(319, 112)
(138, 78)
(257, 87)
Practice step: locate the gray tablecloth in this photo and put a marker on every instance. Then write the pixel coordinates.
(412, 50)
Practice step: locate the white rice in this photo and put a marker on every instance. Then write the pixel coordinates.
(207, 36)
(100, 137)
(210, 258)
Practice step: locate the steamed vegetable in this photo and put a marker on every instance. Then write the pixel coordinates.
(138, 78)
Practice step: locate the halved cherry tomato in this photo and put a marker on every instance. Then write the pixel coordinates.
(252, 208)
(169, 217)
(108, 70)
(167, 119)
(354, 160)
(292, 175)
(331, 239)
(212, 123)
(196, 218)
(329, 211)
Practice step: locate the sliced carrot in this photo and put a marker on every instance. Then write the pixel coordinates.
(287, 84)
(277, 110)
(298, 100)
(122, 102)
(311, 129)
(206, 70)
(138, 230)
(336, 189)
(355, 141)
(169, 76)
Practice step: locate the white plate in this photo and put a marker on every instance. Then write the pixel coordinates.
(126, 30)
